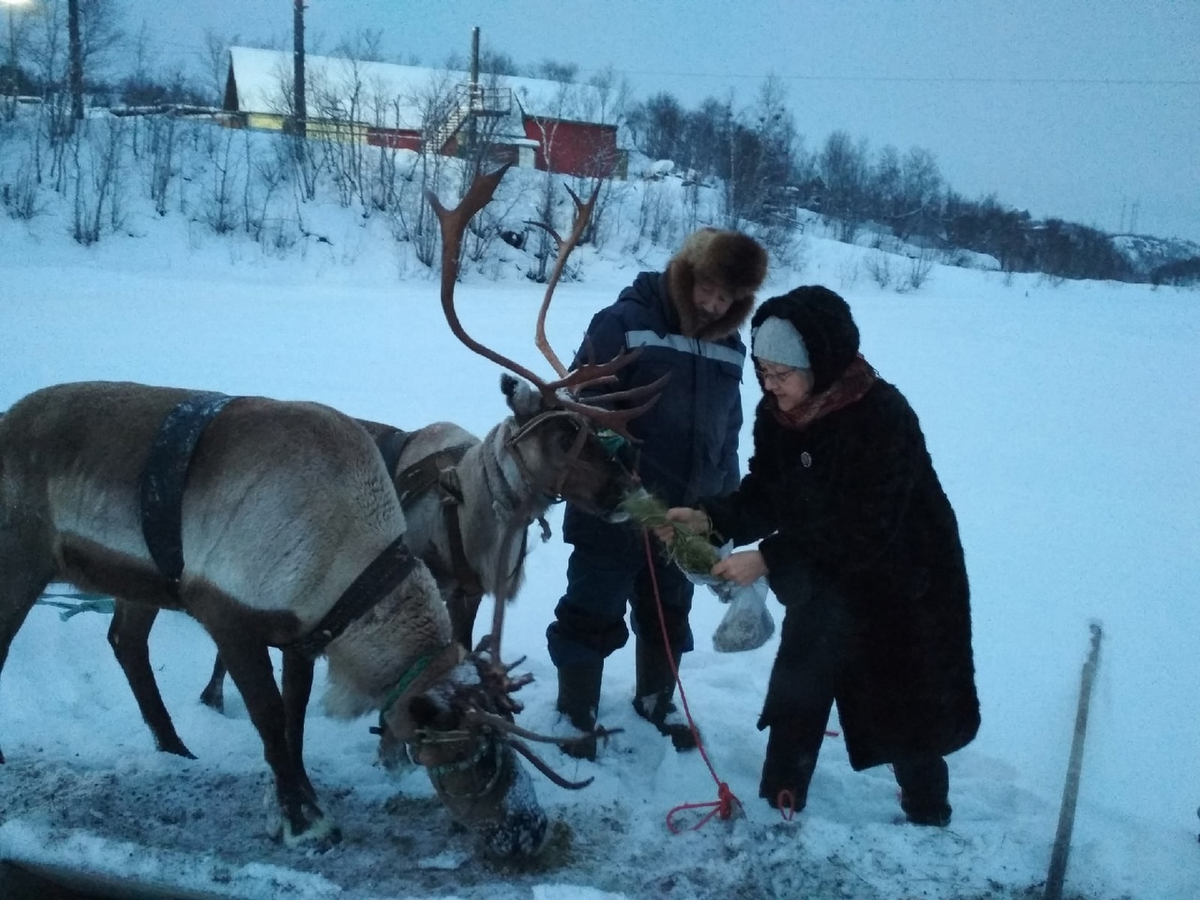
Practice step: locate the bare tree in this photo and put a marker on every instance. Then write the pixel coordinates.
(657, 127)
(921, 190)
(843, 168)
(435, 104)
(216, 58)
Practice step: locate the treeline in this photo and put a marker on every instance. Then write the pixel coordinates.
(753, 156)
(759, 155)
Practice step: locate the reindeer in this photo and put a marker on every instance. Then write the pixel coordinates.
(289, 534)
(460, 497)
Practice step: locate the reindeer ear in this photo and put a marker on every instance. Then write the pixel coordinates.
(523, 399)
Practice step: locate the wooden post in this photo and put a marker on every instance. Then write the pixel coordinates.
(300, 110)
(75, 51)
(1066, 813)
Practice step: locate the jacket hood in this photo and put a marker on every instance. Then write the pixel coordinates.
(824, 321)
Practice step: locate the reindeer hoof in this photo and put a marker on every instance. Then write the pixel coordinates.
(177, 747)
(320, 835)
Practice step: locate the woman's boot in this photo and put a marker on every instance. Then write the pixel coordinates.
(787, 770)
(924, 790)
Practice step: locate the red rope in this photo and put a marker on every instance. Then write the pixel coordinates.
(724, 804)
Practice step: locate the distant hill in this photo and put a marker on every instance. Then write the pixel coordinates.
(1161, 260)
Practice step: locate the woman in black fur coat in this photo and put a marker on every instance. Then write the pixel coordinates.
(861, 546)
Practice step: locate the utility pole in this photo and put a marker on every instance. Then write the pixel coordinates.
(300, 111)
(75, 43)
(12, 56)
(474, 93)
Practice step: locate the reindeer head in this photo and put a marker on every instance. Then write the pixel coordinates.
(562, 456)
(460, 729)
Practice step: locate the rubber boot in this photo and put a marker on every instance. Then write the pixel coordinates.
(578, 700)
(652, 700)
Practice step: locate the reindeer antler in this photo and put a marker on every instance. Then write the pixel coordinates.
(453, 223)
(583, 214)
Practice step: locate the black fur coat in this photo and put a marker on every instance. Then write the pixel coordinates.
(850, 508)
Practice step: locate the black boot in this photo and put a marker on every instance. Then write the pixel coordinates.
(924, 790)
(652, 699)
(578, 699)
(788, 769)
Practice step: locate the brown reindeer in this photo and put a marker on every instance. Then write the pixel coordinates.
(292, 535)
(460, 497)
(266, 557)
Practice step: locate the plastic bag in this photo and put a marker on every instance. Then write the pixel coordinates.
(747, 624)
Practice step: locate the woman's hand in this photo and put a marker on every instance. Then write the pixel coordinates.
(694, 519)
(742, 567)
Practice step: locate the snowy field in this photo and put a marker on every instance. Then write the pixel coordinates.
(1061, 418)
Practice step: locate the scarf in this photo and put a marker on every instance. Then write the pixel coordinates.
(849, 387)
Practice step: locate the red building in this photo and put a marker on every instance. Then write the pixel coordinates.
(529, 122)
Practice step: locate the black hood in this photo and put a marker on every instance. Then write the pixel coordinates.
(824, 322)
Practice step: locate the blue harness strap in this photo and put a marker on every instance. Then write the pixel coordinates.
(165, 476)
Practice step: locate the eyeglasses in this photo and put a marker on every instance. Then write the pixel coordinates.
(776, 378)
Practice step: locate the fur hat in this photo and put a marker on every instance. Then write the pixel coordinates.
(825, 325)
(733, 261)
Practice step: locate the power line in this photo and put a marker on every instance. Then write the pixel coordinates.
(917, 79)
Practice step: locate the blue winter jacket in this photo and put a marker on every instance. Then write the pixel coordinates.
(689, 439)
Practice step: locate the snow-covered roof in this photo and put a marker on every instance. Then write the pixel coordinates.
(387, 94)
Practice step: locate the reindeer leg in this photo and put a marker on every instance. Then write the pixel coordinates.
(462, 607)
(129, 637)
(297, 687)
(28, 566)
(470, 611)
(250, 667)
(213, 694)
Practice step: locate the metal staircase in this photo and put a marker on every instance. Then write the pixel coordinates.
(470, 100)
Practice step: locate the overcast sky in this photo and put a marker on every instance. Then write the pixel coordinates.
(1084, 109)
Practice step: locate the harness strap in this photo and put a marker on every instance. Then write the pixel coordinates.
(164, 477)
(429, 471)
(408, 679)
(439, 469)
(391, 443)
(387, 570)
(469, 583)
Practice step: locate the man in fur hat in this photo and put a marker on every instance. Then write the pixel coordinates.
(685, 321)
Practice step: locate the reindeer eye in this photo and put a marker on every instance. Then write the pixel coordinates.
(570, 434)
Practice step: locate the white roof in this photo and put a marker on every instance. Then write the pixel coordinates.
(386, 94)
